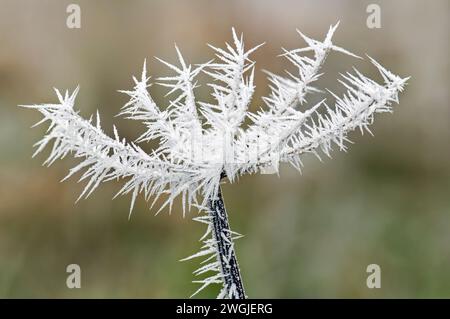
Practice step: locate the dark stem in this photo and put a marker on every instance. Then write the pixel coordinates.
(225, 250)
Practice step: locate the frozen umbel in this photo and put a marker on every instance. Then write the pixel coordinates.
(204, 144)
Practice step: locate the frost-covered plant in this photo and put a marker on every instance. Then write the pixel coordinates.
(202, 144)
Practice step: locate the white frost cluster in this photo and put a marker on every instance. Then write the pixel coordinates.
(201, 142)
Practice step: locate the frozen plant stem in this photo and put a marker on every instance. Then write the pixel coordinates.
(225, 248)
(200, 144)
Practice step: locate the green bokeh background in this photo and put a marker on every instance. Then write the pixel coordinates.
(386, 201)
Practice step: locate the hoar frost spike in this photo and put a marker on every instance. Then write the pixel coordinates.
(203, 144)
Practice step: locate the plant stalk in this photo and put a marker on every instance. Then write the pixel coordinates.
(225, 248)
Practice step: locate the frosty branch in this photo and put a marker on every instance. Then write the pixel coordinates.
(201, 144)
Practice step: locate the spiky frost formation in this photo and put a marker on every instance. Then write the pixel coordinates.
(199, 142)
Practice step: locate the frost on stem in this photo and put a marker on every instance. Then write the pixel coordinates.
(200, 141)
(218, 248)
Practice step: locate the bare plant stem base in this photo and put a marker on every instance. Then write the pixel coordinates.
(225, 248)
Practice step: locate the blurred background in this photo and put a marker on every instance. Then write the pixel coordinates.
(386, 201)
